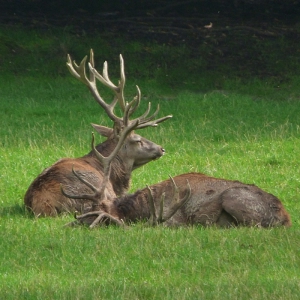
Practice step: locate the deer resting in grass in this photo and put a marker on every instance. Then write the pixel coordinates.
(102, 210)
(206, 201)
(124, 149)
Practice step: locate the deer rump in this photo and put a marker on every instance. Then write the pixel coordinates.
(213, 201)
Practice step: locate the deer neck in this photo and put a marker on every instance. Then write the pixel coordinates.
(120, 175)
(120, 172)
(132, 208)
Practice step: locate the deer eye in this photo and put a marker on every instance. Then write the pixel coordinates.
(139, 142)
(137, 139)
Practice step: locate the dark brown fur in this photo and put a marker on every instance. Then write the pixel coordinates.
(213, 201)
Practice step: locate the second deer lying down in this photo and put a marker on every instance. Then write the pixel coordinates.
(211, 201)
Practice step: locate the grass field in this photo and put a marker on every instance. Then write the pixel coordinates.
(243, 128)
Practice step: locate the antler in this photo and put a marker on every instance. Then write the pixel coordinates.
(79, 72)
(99, 194)
(176, 204)
(96, 216)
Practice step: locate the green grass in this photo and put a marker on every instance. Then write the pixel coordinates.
(139, 263)
(239, 129)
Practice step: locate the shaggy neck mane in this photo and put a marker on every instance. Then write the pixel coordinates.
(119, 177)
(133, 207)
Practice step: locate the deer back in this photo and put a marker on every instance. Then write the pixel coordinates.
(44, 197)
(222, 202)
(213, 201)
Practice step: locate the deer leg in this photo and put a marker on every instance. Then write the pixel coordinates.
(226, 220)
(244, 205)
(206, 214)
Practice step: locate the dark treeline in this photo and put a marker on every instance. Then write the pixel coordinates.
(155, 7)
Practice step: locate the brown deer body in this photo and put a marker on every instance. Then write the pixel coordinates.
(212, 201)
(121, 153)
(44, 197)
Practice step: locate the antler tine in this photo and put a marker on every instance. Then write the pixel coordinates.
(144, 121)
(100, 217)
(127, 112)
(92, 63)
(136, 100)
(153, 123)
(122, 82)
(177, 203)
(153, 218)
(104, 79)
(146, 113)
(93, 197)
(79, 72)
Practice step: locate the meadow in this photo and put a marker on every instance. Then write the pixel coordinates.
(244, 128)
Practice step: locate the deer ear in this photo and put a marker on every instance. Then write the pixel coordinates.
(103, 130)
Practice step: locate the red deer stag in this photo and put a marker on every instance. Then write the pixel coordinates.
(126, 149)
(97, 201)
(212, 201)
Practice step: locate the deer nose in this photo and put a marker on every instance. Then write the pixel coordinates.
(163, 151)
